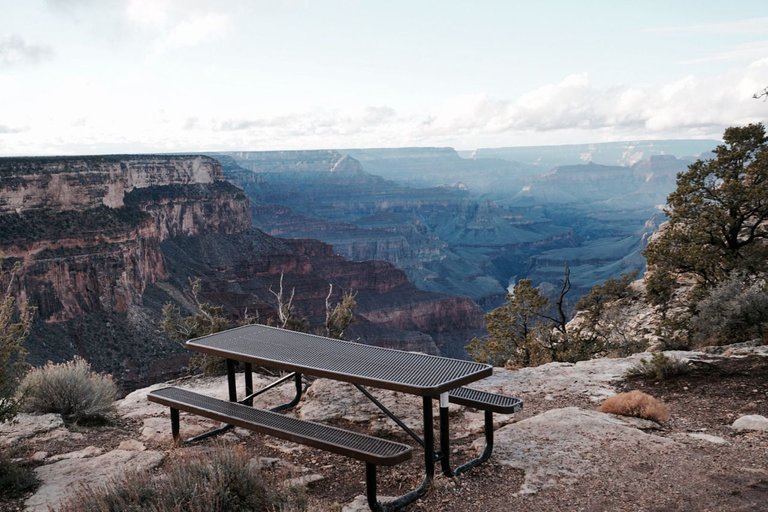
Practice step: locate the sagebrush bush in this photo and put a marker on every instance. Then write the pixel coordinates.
(70, 389)
(735, 310)
(636, 404)
(221, 480)
(658, 367)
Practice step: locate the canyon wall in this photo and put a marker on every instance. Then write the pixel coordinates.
(104, 242)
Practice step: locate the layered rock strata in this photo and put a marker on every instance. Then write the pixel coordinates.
(104, 242)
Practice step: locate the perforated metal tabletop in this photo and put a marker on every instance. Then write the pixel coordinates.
(410, 372)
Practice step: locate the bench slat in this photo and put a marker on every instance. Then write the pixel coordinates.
(485, 401)
(352, 444)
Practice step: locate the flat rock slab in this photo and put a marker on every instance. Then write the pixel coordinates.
(61, 479)
(562, 445)
(26, 426)
(751, 422)
(594, 379)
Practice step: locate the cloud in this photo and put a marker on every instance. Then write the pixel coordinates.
(175, 24)
(10, 129)
(747, 51)
(14, 50)
(687, 107)
(744, 26)
(148, 12)
(195, 30)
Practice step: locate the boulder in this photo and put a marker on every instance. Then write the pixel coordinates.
(562, 445)
(63, 478)
(751, 422)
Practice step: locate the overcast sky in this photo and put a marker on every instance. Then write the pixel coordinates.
(114, 76)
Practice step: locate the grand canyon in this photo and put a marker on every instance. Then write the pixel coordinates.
(427, 239)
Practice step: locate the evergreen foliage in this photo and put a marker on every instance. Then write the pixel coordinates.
(717, 216)
(512, 329)
(15, 324)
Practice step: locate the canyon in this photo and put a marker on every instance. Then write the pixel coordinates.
(471, 224)
(104, 241)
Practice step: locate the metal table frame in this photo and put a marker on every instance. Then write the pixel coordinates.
(361, 365)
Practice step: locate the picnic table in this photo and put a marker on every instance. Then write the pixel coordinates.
(430, 377)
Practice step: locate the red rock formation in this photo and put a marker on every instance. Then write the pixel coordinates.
(105, 241)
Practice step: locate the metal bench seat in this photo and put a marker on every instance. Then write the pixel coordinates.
(485, 401)
(336, 440)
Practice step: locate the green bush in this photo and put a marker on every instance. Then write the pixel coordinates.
(735, 310)
(15, 325)
(221, 480)
(70, 389)
(16, 479)
(658, 367)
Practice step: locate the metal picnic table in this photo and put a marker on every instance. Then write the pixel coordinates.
(430, 377)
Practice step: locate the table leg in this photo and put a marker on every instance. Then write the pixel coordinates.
(429, 439)
(445, 437)
(231, 380)
(248, 384)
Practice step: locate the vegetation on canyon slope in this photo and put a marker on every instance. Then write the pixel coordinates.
(15, 322)
(707, 270)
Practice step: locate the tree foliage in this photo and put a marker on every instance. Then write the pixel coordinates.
(15, 324)
(206, 319)
(717, 216)
(339, 316)
(511, 328)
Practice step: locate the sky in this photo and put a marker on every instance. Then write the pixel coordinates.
(137, 76)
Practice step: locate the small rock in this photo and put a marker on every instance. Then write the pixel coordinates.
(360, 503)
(132, 444)
(39, 456)
(88, 451)
(263, 463)
(751, 422)
(303, 481)
(708, 438)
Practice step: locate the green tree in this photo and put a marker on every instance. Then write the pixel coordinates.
(339, 316)
(206, 319)
(512, 329)
(15, 324)
(717, 216)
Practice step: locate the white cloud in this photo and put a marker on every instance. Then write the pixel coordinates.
(687, 107)
(573, 109)
(743, 52)
(195, 30)
(9, 129)
(745, 26)
(148, 12)
(14, 50)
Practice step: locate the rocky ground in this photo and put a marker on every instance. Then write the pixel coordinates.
(558, 453)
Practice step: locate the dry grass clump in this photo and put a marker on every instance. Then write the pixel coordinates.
(220, 480)
(70, 389)
(637, 404)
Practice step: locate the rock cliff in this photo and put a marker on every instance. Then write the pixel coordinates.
(104, 242)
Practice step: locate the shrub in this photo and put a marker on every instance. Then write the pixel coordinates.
(70, 389)
(735, 310)
(16, 479)
(637, 404)
(658, 367)
(15, 324)
(221, 480)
